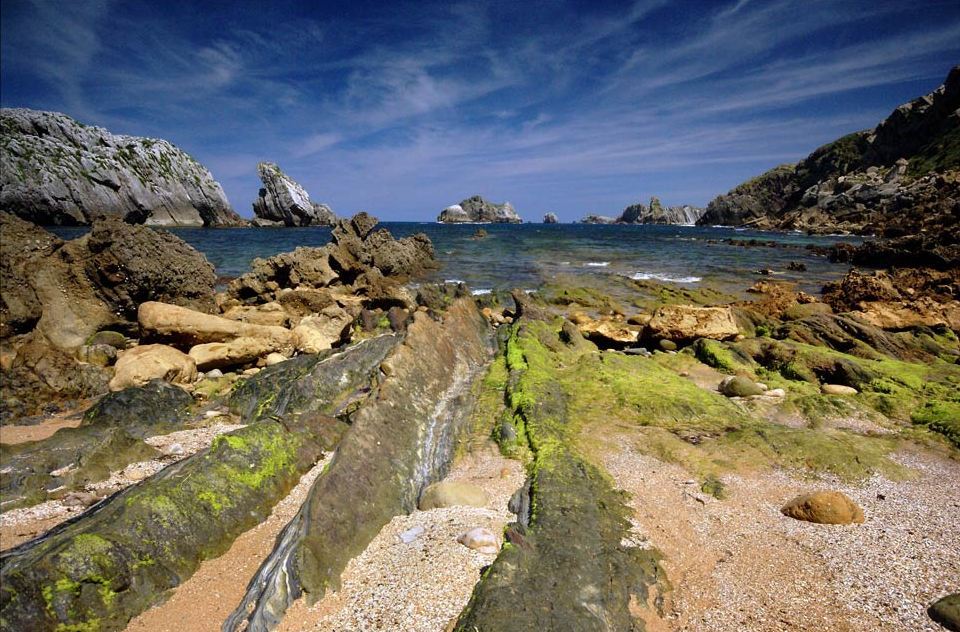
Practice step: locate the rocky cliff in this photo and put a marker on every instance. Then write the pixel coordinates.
(477, 209)
(656, 213)
(58, 171)
(283, 202)
(901, 177)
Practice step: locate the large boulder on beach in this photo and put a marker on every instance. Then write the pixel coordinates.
(237, 352)
(283, 202)
(824, 507)
(71, 290)
(140, 365)
(182, 326)
(686, 322)
(477, 209)
(55, 170)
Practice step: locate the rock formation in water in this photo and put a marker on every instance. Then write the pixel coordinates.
(902, 177)
(550, 218)
(656, 213)
(598, 219)
(477, 209)
(57, 171)
(283, 202)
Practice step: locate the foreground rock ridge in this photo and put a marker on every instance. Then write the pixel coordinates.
(283, 202)
(899, 178)
(55, 170)
(478, 210)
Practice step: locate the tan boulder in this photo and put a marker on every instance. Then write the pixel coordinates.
(824, 508)
(897, 315)
(685, 322)
(185, 326)
(608, 332)
(318, 333)
(452, 494)
(139, 365)
(480, 539)
(837, 389)
(269, 314)
(220, 355)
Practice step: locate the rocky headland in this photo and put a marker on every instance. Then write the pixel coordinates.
(900, 178)
(57, 171)
(478, 210)
(283, 202)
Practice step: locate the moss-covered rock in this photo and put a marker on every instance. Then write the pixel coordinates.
(565, 566)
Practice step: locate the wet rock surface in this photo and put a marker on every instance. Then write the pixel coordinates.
(58, 171)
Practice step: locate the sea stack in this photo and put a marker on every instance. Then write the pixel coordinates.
(476, 209)
(550, 218)
(656, 213)
(283, 202)
(57, 171)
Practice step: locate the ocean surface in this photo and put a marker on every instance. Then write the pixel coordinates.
(530, 255)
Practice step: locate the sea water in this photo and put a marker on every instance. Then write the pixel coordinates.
(528, 256)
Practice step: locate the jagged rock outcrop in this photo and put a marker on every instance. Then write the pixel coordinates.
(283, 202)
(550, 218)
(656, 213)
(900, 178)
(477, 209)
(357, 255)
(71, 290)
(57, 171)
(598, 219)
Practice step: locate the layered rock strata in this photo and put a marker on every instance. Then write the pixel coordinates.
(283, 202)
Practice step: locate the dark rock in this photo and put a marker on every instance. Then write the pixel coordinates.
(477, 209)
(797, 266)
(24, 246)
(656, 213)
(738, 386)
(398, 317)
(550, 218)
(55, 170)
(283, 202)
(598, 219)
(141, 411)
(113, 338)
(946, 612)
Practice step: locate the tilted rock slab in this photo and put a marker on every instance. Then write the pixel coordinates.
(400, 441)
(55, 170)
(121, 557)
(283, 202)
(172, 323)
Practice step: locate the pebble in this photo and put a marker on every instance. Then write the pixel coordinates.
(480, 539)
(213, 374)
(410, 535)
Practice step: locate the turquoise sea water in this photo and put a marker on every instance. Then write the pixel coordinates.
(528, 255)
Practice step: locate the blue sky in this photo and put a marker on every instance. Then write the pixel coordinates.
(403, 108)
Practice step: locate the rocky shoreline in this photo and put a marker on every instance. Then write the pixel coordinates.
(208, 407)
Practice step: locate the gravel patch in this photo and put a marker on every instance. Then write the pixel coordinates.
(423, 583)
(739, 564)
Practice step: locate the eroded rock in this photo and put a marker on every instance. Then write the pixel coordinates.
(825, 507)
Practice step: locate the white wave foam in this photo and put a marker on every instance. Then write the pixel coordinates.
(480, 292)
(597, 264)
(647, 276)
(452, 281)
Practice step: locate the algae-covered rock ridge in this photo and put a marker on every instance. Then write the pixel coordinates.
(55, 170)
(900, 177)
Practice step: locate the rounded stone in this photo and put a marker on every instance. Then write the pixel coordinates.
(825, 507)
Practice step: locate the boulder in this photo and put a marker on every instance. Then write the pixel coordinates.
(452, 494)
(837, 389)
(55, 170)
(477, 209)
(283, 202)
(113, 338)
(608, 333)
(182, 326)
(481, 540)
(237, 352)
(139, 365)
(825, 507)
(550, 218)
(739, 386)
(101, 355)
(946, 612)
(320, 332)
(271, 314)
(96, 281)
(682, 323)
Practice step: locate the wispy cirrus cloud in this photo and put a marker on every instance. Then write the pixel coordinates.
(414, 106)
